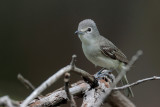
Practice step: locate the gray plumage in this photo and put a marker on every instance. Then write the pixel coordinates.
(100, 51)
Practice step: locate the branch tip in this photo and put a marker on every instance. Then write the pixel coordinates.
(139, 52)
(73, 60)
(69, 95)
(136, 83)
(25, 82)
(74, 56)
(67, 77)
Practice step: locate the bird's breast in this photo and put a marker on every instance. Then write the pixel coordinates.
(94, 55)
(90, 52)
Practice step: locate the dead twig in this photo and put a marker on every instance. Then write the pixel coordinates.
(26, 83)
(45, 85)
(127, 67)
(6, 101)
(90, 95)
(120, 75)
(69, 95)
(59, 96)
(55, 77)
(136, 83)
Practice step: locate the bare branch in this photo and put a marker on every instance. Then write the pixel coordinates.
(55, 77)
(73, 60)
(70, 97)
(56, 98)
(120, 75)
(59, 96)
(26, 83)
(66, 84)
(6, 101)
(104, 77)
(45, 85)
(93, 96)
(90, 78)
(127, 67)
(136, 83)
(68, 68)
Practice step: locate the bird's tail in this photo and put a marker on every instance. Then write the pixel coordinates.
(128, 91)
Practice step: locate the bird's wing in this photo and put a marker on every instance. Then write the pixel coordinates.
(110, 50)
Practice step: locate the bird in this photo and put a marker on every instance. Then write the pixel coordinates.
(102, 52)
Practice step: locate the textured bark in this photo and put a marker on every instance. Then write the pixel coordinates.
(59, 96)
(91, 96)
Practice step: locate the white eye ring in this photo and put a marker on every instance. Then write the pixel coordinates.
(89, 30)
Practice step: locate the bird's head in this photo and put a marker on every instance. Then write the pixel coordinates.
(87, 30)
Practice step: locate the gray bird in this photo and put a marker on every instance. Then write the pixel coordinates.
(100, 51)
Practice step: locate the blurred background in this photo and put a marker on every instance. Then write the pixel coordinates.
(37, 39)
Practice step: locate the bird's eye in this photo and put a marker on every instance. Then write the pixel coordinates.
(89, 29)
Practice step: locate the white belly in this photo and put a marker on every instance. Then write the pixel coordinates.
(107, 62)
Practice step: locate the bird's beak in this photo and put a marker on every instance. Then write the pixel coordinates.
(78, 32)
